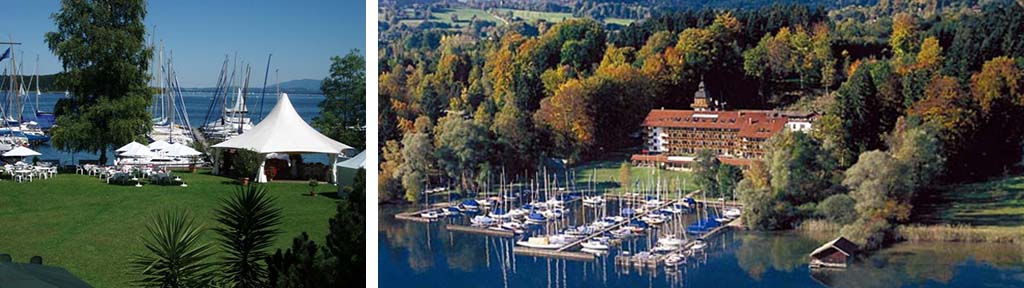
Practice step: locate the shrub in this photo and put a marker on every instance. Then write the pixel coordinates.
(246, 163)
(870, 234)
(176, 256)
(248, 219)
(838, 209)
(819, 225)
(958, 233)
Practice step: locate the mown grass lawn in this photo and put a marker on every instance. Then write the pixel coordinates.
(607, 178)
(463, 16)
(555, 17)
(93, 229)
(996, 203)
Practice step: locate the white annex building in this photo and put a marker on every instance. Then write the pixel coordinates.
(284, 132)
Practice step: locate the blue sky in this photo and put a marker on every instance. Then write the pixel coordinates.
(302, 35)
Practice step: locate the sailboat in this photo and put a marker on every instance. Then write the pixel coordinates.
(10, 128)
(44, 120)
(173, 125)
(594, 244)
(541, 242)
(233, 120)
(595, 200)
(703, 224)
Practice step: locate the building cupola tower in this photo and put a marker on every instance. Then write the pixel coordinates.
(700, 99)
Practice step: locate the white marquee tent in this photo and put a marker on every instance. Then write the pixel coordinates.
(345, 171)
(284, 131)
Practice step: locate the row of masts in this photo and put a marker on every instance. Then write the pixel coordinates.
(15, 130)
(233, 118)
(169, 106)
(16, 88)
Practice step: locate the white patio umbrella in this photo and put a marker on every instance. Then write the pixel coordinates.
(21, 151)
(138, 152)
(180, 150)
(129, 146)
(159, 145)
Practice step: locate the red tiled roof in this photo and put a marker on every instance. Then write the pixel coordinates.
(749, 123)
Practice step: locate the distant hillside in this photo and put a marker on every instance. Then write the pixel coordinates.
(47, 83)
(301, 86)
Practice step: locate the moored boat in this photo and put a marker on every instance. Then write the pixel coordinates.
(539, 242)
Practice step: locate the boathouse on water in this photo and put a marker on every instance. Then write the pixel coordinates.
(837, 253)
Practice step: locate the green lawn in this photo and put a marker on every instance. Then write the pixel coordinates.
(532, 16)
(93, 228)
(463, 16)
(608, 176)
(620, 21)
(554, 17)
(995, 203)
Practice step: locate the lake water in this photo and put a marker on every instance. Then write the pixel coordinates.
(197, 105)
(426, 255)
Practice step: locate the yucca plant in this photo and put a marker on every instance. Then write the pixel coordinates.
(176, 258)
(247, 230)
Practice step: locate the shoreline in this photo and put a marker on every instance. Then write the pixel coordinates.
(934, 232)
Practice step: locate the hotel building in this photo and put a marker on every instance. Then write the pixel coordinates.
(672, 138)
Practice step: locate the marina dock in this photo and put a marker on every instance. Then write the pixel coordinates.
(566, 251)
(480, 230)
(656, 260)
(563, 252)
(569, 255)
(415, 215)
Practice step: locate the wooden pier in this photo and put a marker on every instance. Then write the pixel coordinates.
(576, 256)
(415, 215)
(611, 227)
(656, 260)
(480, 230)
(563, 252)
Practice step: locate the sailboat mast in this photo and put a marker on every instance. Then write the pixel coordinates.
(160, 82)
(231, 88)
(245, 94)
(170, 101)
(15, 85)
(263, 92)
(37, 84)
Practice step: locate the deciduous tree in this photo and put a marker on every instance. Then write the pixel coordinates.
(102, 45)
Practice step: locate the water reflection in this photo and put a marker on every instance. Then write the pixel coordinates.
(937, 263)
(426, 255)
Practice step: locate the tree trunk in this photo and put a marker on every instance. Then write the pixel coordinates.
(103, 156)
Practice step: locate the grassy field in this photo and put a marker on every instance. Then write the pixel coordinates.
(93, 228)
(608, 176)
(995, 203)
(553, 17)
(463, 15)
(532, 16)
